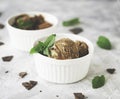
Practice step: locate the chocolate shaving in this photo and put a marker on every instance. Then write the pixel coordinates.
(110, 70)
(22, 74)
(1, 43)
(79, 96)
(29, 85)
(76, 30)
(7, 58)
(1, 26)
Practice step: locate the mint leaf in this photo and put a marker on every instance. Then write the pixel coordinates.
(71, 22)
(38, 48)
(50, 40)
(104, 42)
(43, 48)
(98, 81)
(46, 52)
(48, 43)
(24, 24)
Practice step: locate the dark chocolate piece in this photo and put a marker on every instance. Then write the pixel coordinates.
(1, 43)
(79, 96)
(1, 26)
(29, 85)
(110, 70)
(7, 58)
(76, 30)
(57, 95)
(6, 71)
(33, 82)
(40, 90)
(0, 14)
(22, 74)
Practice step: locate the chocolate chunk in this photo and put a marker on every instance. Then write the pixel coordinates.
(7, 58)
(29, 85)
(1, 26)
(57, 95)
(1, 43)
(40, 90)
(110, 70)
(33, 82)
(0, 14)
(6, 71)
(22, 74)
(79, 96)
(76, 30)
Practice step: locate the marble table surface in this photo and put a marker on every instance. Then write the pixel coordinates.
(98, 17)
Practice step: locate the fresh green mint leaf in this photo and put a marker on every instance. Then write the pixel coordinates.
(24, 24)
(43, 48)
(50, 40)
(98, 81)
(104, 42)
(38, 48)
(46, 52)
(48, 43)
(71, 22)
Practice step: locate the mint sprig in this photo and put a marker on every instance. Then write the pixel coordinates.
(43, 47)
(24, 24)
(71, 22)
(38, 48)
(98, 81)
(104, 42)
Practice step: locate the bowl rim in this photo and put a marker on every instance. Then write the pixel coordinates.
(91, 50)
(32, 12)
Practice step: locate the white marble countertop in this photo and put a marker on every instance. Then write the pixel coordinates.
(98, 17)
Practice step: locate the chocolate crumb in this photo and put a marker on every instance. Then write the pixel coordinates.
(110, 70)
(79, 96)
(7, 58)
(22, 74)
(1, 26)
(6, 71)
(1, 43)
(29, 85)
(76, 30)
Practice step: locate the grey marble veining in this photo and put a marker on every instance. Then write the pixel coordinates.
(98, 17)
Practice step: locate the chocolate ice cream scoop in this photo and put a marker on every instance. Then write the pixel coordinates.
(82, 48)
(65, 48)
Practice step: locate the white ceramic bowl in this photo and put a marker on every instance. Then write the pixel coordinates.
(64, 71)
(24, 39)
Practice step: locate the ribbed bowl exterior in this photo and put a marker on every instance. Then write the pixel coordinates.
(23, 40)
(62, 71)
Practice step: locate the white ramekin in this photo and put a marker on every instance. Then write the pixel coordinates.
(24, 39)
(64, 71)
